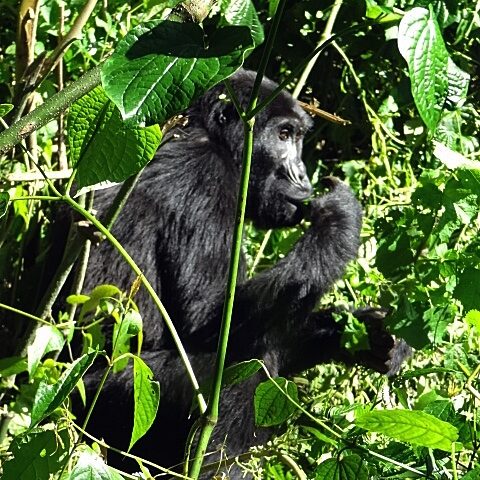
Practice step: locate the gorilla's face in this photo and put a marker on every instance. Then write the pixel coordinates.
(279, 182)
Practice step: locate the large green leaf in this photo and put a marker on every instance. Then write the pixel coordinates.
(37, 455)
(272, 406)
(102, 147)
(351, 467)
(472, 474)
(160, 67)
(411, 426)
(421, 44)
(146, 396)
(458, 82)
(49, 397)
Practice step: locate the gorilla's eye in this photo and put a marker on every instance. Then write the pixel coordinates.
(284, 134)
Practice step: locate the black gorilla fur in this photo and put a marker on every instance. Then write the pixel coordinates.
(178, 225)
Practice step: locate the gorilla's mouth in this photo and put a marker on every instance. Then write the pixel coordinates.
(298, 199)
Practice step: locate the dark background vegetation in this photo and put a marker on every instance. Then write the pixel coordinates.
(420, 254)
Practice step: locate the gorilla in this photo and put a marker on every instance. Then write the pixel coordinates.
(178, 225)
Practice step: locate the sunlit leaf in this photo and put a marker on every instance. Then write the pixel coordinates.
(47, 339)
(160, 67)
(411, 426)
(102, 147)
(49, 397)
(146, 397)
(5, 108)
(421, 44)
(90, 466)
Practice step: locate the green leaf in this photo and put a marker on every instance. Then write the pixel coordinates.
(354, 336)
(130, 325)
(47, 339)
(421, 44)
(272, 7)
(161, 67)
(146, 394)
(272, 407)
(240, 371)
(102, 147)
(458, 82)
(90, 466)
(37, 455)
(5, 108)
(319, 435)
(79, 299)
(351, 467)
(97, 294)
(233, 375)
(4, 202)
(411, 426)
(468, 288)
(242, 13)
(380, 13)
(12, 366)
(49, 397)
(452, 159)
(472, 474)
(473, 318)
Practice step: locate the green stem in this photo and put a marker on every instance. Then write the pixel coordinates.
(24, 314)
(94, 401)
(171, 327)
(211, 415)
(49, 110)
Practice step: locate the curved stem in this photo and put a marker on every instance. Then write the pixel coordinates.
(25, 314)
(168, 321)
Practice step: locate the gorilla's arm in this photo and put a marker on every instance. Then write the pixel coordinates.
(285, 295)
(317, 260)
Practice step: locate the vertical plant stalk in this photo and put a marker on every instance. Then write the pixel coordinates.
(26, 36)
(327, 33)
(25, 55)
(73, 34)
(62, 150)
(210, 417)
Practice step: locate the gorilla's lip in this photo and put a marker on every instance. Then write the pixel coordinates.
(298, 199)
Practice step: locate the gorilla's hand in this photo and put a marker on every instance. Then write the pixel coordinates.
(386, 353)
(337, 207)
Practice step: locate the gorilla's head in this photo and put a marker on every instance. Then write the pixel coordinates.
(278, 179)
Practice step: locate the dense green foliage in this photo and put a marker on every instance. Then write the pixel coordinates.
(403, 73)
